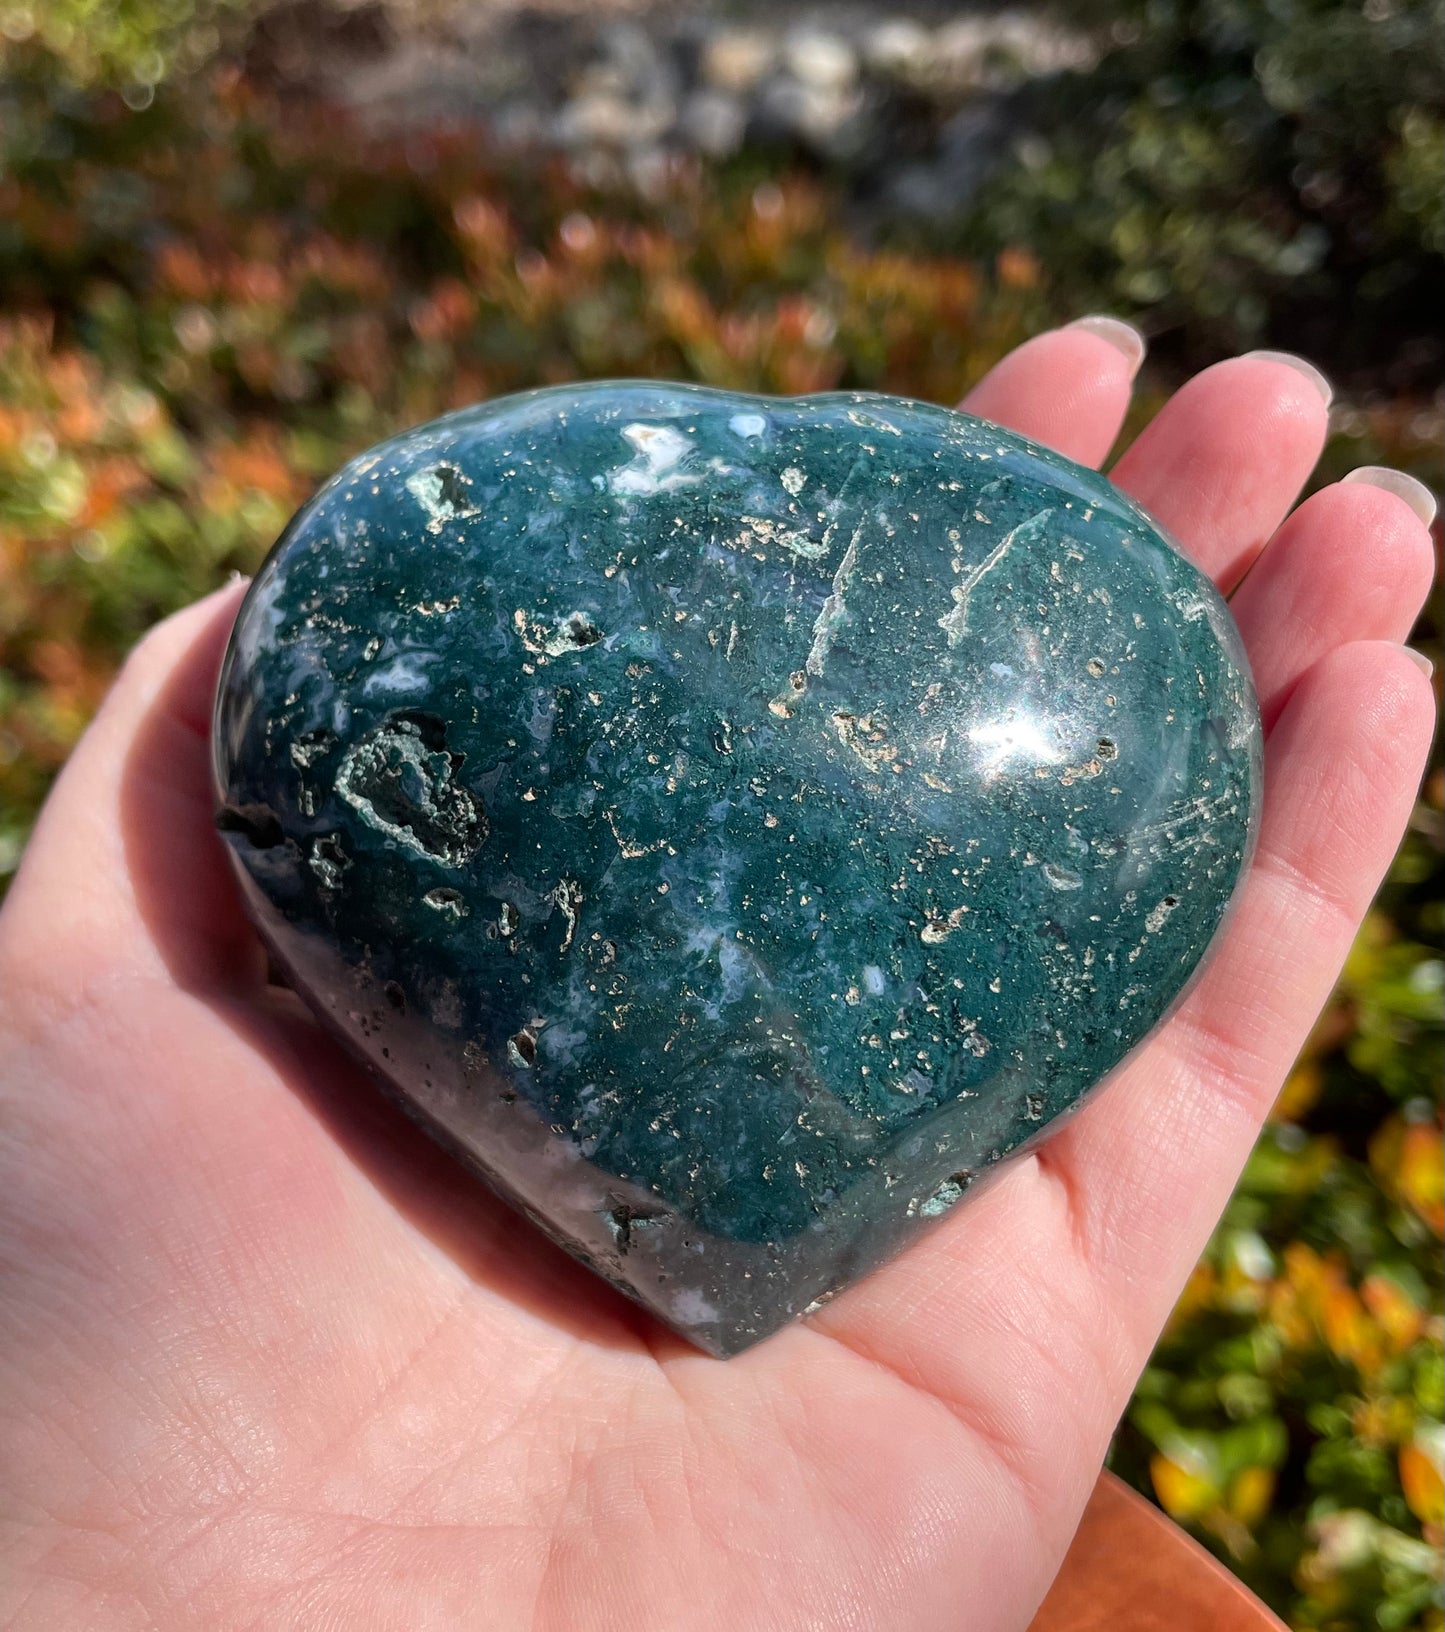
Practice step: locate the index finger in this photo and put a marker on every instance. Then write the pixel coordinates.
(1068, 389)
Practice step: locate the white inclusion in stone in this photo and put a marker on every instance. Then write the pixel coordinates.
(1062, 878)
(692, 1309)
(873, 980)
(746, 425)
(735, 966)
(794, 480)
(441, 491)
(737, 970)
(659, 448)
(403, 676)
(795, 543)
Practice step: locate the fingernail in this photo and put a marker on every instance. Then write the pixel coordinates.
(1122, 336)
(1300, 366)
(1419, 497)
(1421, 662)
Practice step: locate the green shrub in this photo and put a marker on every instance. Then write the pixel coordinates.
(206, 304)
(130, 44)
(1244, 171)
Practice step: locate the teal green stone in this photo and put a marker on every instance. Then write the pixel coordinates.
(733, 824)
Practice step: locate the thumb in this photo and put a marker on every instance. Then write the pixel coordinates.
(125, 874)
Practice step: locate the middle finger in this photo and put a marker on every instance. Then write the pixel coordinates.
(1222, 461)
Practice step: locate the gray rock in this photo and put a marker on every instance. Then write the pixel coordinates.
(821, 61)
(715, 123)
(736, 60)
(825, 119)
(898, 48)
(602, 119)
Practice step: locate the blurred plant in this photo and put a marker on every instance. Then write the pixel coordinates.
(1236, 169)
(1292, 1412)
(225, 304)
(131, 44)
(207, 302)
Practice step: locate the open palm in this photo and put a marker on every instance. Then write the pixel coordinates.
(268, 1360)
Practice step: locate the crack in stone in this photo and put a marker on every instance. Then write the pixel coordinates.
(954, 623)
(835, 610)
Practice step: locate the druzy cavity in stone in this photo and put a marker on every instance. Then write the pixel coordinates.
(734, 824)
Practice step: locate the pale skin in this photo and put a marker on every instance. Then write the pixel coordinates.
(269, 1361)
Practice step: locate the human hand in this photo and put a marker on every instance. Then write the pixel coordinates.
(270, 1360)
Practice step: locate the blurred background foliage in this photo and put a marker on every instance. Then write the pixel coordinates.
(212, 292)
(1250, 168)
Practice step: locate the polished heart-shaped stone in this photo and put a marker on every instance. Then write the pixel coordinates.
(733, 824)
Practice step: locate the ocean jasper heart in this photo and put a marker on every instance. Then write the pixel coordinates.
(733, 823)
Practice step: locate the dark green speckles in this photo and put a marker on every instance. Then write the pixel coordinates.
(737, 823)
